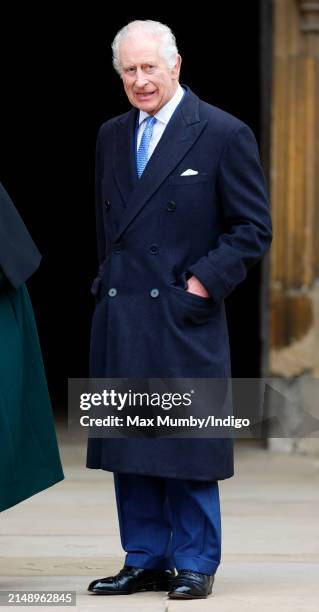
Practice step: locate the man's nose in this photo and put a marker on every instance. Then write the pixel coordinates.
(141, 78)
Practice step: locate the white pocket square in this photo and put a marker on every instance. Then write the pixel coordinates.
(189, 172)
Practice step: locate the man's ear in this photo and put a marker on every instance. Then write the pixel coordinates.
(177, 67)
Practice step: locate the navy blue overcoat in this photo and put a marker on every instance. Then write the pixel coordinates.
(154, 231)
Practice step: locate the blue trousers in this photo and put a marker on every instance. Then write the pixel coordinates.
(169, 522)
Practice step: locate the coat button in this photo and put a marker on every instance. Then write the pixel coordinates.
(112, 292)
(171, 206)
(107, 204)
(154, 293)
(154, 249)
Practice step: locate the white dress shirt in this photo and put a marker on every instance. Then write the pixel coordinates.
(163, 116)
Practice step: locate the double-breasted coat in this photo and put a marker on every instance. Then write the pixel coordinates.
(153, 233)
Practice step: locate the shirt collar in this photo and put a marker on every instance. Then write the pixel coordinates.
(165, 113)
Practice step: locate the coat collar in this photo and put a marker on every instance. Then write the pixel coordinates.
(181, 132)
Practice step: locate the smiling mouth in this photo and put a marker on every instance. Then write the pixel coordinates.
(147, 94)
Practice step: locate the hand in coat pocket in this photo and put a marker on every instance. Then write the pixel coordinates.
(195, 287)
(190, 307)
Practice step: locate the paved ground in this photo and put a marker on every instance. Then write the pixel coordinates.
(64, 537)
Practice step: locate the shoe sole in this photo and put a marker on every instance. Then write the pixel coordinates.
(150, 587)
(174, 595)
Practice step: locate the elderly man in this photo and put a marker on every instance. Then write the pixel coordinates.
(182, 213)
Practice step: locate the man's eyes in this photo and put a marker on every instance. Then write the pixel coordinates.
(148, 68)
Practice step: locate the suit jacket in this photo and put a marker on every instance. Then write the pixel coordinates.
(154, 231)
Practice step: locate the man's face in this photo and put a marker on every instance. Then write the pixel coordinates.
(148, 82)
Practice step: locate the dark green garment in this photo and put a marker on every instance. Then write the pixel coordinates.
(29, 456)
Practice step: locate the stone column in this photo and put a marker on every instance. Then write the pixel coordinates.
(294, 186)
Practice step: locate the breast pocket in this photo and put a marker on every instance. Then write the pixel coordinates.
(191, 194)
(188, 180)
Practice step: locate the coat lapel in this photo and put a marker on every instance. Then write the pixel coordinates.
(179, 136)
(125, 171)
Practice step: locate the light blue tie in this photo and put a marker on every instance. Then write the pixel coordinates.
(142, 153)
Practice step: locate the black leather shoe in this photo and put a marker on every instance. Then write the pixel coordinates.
(189, 584)
(131, 580)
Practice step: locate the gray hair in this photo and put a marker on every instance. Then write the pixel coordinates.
(168, 49)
